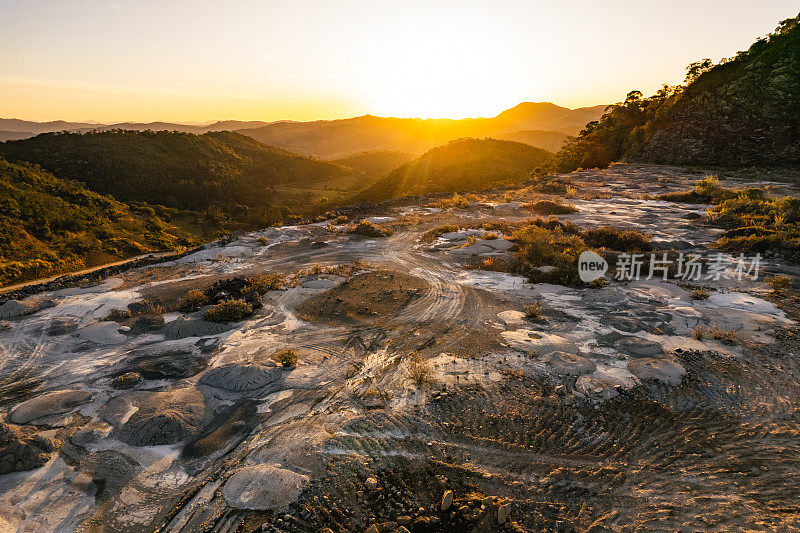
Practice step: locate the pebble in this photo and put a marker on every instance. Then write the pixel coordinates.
(447, 500)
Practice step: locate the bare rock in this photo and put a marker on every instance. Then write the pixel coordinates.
(19, 453)
(263, 488)
(164, 417)
(52, 403)
(447, 500)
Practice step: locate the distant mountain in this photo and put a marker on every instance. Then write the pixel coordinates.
(34, 128)
(332, 139)
(459, 166)
(182, 170)
(50, 225)
(13, 129)
(14, 135)
(222, 125)
(743, 111)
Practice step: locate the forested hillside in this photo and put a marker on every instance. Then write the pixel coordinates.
(222, 170)
(50, 225)
(459, 166)
(743, 111)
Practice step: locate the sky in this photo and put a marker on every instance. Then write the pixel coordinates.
(198, 61)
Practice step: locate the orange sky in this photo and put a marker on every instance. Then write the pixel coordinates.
(197, 61)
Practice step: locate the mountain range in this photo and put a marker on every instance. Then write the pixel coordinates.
(542, 124)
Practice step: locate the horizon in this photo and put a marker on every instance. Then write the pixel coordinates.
(214, 121)
(190, 63)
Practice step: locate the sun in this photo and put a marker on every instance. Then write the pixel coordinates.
(440, 72)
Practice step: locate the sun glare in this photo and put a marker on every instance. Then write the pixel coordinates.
(451, 72)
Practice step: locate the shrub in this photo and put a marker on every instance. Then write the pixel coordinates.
(434, 233)
(699, 332)
(286, 357)
(779, 283)
(539, 246)
(700, 293)
(706, 191)
(456, 201)
(561, 185)
(548, 207)
(534, 311)
(192, 301)
(229, 311)
(418, 369)
(616, 239)
(723, 335)
(368, 229)
(264, 283)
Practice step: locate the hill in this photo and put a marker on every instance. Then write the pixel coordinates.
(459, 166)
(742, 111)
(182, 170)
(50, 225)
(331, 139)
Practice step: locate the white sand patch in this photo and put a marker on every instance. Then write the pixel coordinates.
(379, 220)
(745, 302)
(511, 317)
(103, 333)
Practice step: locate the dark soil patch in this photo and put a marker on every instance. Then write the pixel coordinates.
(366, 297)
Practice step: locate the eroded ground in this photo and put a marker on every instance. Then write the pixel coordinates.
(424, 398)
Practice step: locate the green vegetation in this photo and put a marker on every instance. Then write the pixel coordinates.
(548, 207)
(547, 250)
(700, 293)
(755, 222)
(779, 284)
(50, 226)
(229, 311)
(534, 310)
(557, 185)
(616, 239)
(192, 301)
(743, 111)
(369, 229)
(459, 166)
(286, 357)
(227, 176)
(707, 191)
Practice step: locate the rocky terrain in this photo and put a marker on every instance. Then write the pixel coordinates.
(391, 383)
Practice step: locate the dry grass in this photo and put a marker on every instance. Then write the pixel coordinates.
(700, 293)
(418, 369)
(723, 335)
(534, 310)
(779, 284)
(229, 311)
(699, 332)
